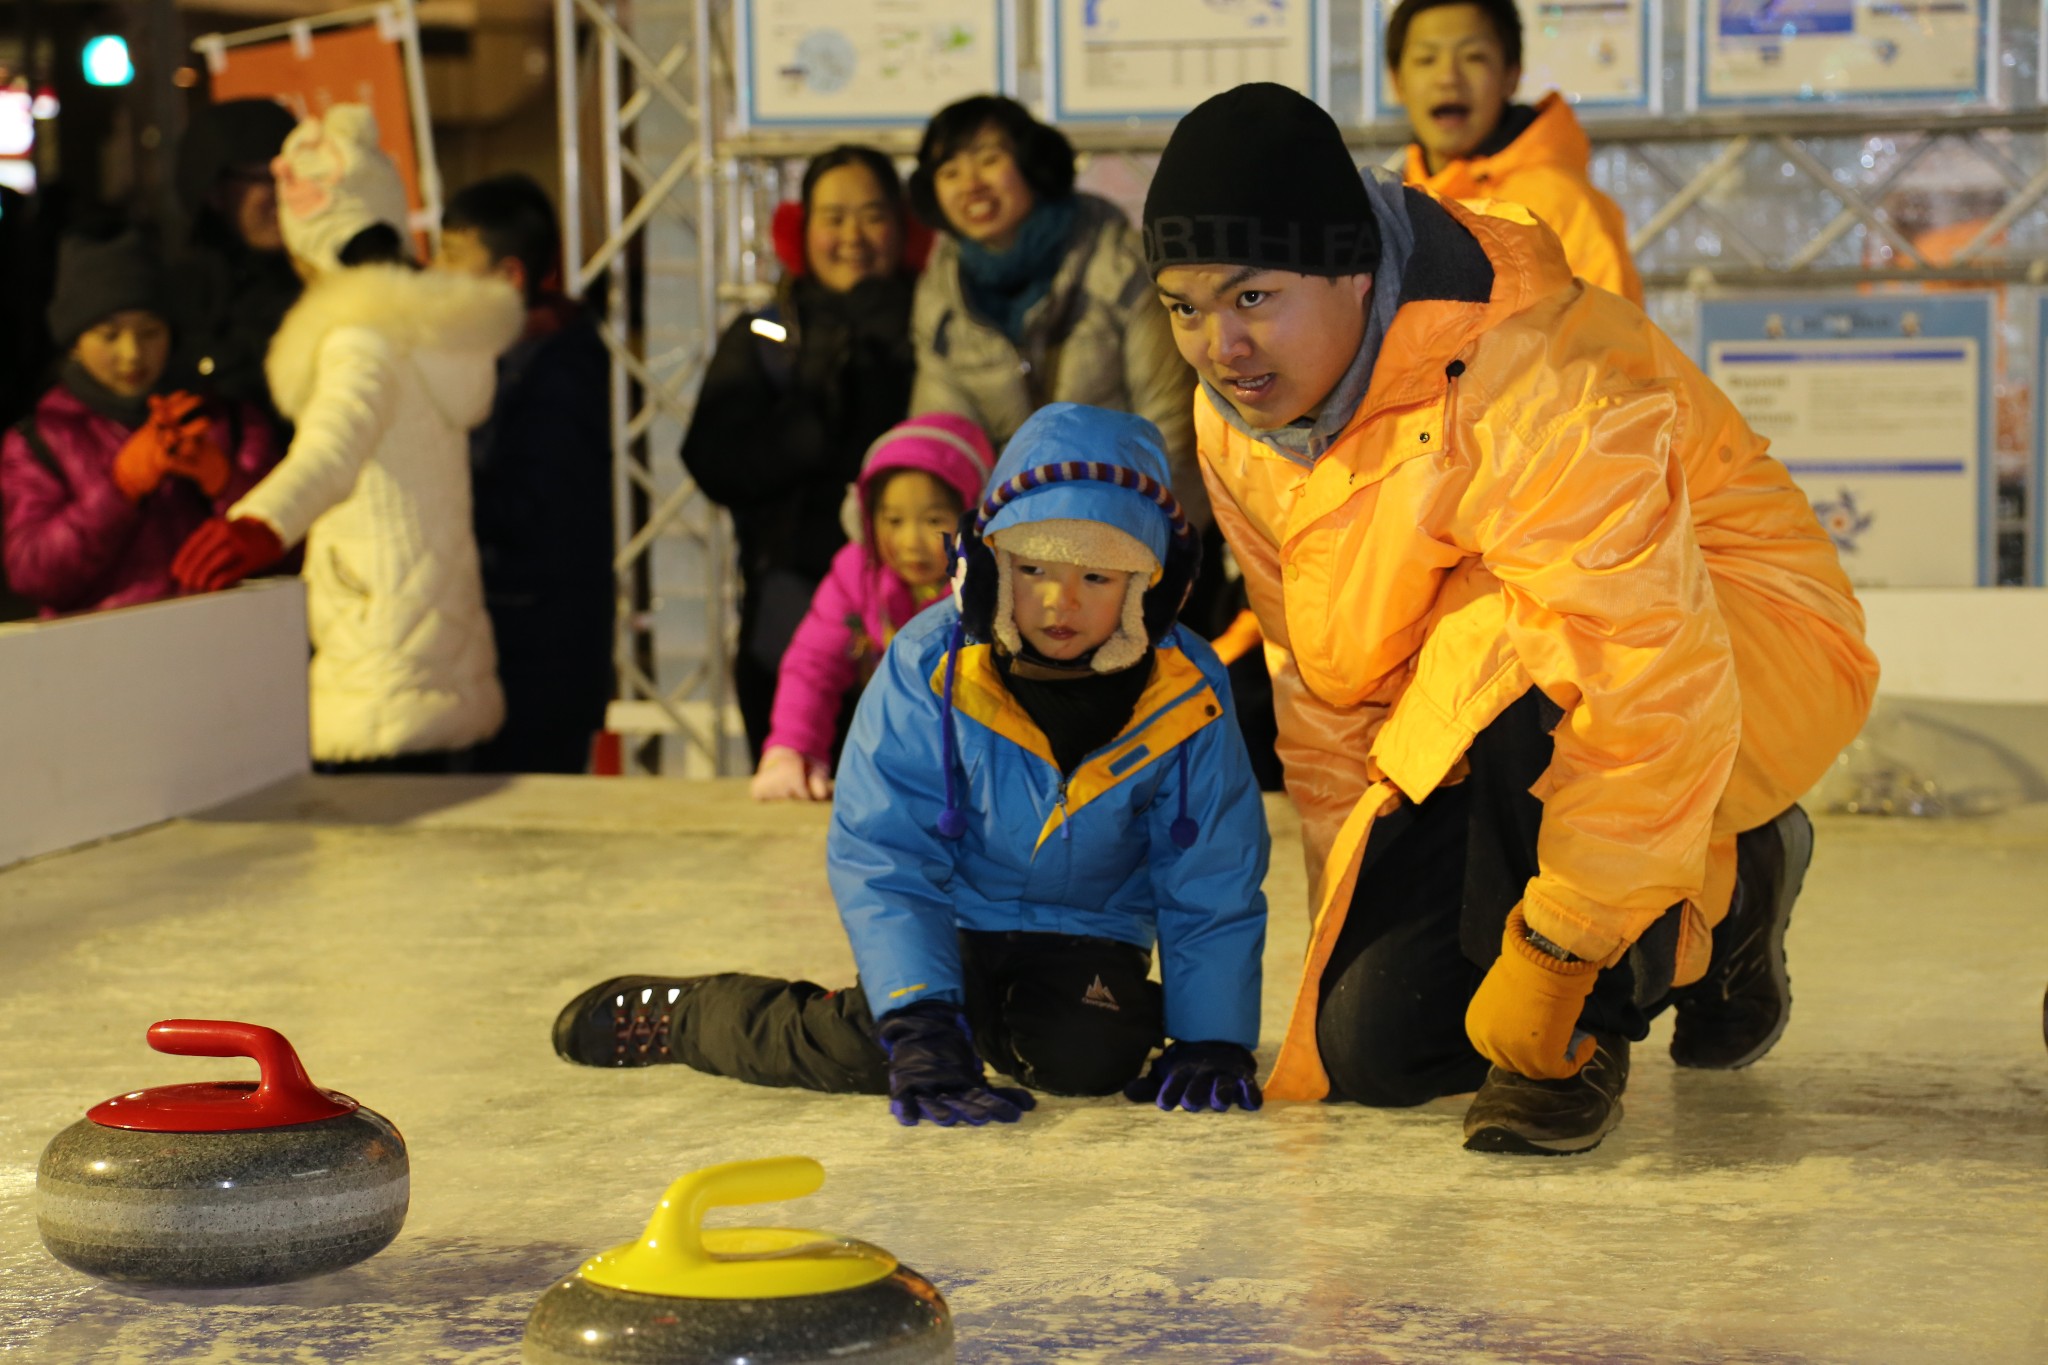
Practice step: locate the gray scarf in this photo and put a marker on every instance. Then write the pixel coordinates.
(1305, 439)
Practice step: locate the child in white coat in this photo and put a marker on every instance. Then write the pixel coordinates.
(384, 370)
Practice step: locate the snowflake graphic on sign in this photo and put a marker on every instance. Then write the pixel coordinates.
(1843, 520)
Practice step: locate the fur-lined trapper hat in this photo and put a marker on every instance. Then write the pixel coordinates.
(1091, 545)
(1085, 486)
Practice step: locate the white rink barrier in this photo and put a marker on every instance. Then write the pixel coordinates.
(119, 719)
(1987, 645)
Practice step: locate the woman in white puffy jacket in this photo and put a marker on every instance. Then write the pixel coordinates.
(384, 370)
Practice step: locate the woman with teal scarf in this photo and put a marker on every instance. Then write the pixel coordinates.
(1035, 293)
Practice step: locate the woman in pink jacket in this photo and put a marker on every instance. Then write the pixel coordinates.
(914, 484)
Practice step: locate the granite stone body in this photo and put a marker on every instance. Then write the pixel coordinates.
(898, 1320)
(192, 1210)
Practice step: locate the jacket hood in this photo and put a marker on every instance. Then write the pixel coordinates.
(1110, 467)
(1071, 463)
(452, 325)
(1473, 268)
(1554, 138)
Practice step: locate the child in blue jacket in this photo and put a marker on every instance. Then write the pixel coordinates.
(1042, 782)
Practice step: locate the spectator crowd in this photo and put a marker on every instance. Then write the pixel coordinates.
(273, 385)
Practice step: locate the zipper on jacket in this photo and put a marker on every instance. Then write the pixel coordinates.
(1452, 372)
(1060, 795)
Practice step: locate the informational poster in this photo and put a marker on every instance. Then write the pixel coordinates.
(868, 63)
(1148, 59)
(1596, 52)
(1780, 51)
(309, 70)
(1881, 409)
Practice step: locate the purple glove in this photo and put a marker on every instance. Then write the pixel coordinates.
(1198, 1076)
(935, 1074)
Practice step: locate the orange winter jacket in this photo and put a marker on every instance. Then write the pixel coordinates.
(1538, 489)
(1544, 170)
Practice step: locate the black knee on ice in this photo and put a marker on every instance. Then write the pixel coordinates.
(1102, 1070)
(1380, 1087)
(1383, 1070)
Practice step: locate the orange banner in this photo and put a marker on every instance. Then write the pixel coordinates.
(326, 67)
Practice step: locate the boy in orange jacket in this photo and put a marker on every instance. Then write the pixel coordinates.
(1455, 65)
(1560, 643)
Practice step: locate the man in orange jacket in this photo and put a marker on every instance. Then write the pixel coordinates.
(1455, 65)
(1560, 643)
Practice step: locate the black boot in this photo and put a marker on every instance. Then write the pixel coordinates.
(1524, 1117)
(1738, 1011)
(625, 1021)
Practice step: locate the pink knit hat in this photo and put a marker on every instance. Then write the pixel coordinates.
(945, 445)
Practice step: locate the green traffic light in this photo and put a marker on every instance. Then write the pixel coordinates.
(106, 61)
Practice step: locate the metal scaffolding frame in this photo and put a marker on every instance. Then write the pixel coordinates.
(608, 84)
(1824, 167)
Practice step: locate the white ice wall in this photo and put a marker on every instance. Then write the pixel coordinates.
(116, 720)
(1961, 644)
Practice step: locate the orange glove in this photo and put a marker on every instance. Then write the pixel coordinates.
(173, 441)
(201, 461)
(1525, 1015)
(190, 448)
(222, 553)
(142, 463)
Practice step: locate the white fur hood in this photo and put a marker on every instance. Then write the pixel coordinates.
(419, 313)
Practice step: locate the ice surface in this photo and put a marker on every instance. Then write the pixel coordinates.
(1874, 1191)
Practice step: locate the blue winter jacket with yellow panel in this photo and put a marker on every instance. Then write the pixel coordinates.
(1090, 853)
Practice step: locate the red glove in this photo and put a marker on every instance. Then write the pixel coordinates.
(222, 553)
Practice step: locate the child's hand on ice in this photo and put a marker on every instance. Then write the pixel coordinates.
(1199, 1076)
(935, 1075)
(786, 775)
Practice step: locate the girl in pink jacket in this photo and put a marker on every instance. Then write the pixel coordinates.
(914, 484)
(103, 482)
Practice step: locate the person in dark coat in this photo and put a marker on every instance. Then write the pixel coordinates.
(541, 480)
(231, 281)
(795, 395)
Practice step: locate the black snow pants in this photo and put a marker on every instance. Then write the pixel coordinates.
(1065, 1014)
(1434, 893)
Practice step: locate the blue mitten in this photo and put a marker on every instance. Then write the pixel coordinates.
(935, 1074)
(1198, 1076)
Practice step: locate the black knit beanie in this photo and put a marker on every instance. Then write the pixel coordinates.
(224, 137)
(1259, 175)
(96, 280)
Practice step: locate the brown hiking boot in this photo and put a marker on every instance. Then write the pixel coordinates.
(1735, 1013)
(1524, 1117)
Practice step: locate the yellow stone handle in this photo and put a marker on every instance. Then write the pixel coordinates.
(671, 1258)
(676, 1231)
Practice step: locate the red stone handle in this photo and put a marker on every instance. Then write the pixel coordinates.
(284, 1093)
